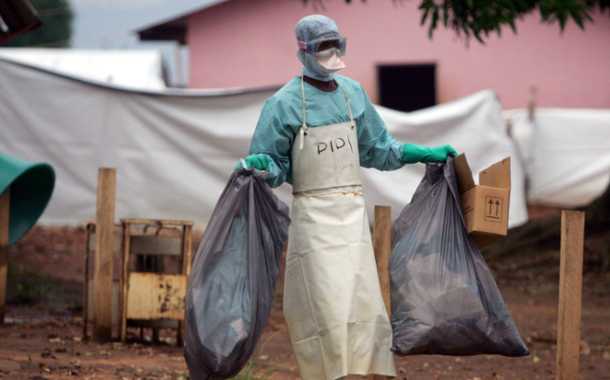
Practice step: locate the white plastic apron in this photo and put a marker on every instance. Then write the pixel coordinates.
(336, 317)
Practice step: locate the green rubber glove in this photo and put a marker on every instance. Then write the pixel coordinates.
(256, 161)
(412, 153)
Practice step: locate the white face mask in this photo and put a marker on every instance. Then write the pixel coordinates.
(330, 64)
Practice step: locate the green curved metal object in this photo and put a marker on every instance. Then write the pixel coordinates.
(31, 189)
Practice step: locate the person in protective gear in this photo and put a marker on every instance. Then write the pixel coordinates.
(315, 133)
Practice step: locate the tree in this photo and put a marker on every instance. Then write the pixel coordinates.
(56, 29)
(479, 18)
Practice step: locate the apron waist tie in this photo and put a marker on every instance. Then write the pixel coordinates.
(355, 190)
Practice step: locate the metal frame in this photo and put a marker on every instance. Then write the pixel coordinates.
(128, 240)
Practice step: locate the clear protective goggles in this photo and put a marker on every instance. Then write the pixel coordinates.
(325, 46)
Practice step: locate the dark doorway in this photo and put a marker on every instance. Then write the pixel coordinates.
(407, 87)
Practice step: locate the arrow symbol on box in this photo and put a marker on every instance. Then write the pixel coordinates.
(497, 207)
(491, 203)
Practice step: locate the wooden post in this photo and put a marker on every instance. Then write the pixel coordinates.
(382, 245)
(4, 229)
(104, 246)
(187, 243)
(124, 284)
(186, 269)
(86, 282)
(570, 292)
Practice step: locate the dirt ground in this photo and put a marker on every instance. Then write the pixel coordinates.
(42, 337)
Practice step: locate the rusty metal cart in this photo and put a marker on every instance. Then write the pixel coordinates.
(152, 298)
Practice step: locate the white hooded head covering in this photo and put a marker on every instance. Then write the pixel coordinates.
(310, 28)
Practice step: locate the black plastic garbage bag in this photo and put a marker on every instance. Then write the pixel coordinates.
(444, 298)
(232, 283)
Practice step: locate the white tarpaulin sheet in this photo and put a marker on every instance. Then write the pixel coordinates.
(174, 151)
(137, 69)
(566, 153)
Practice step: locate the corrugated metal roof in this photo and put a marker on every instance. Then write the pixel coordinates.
(173, 28)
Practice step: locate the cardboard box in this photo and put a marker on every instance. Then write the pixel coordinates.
(485, 206)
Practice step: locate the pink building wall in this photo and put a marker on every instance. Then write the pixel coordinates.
(252, 43)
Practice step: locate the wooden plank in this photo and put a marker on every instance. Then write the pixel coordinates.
(156, 245)
(156, 296)
(104, 230)
(124, 280)
(158, 323)
(379, 377)
(4, 231)
(187, 247)
(86, 298)
(159, 222)
(382, 245)
(115, 302)
(117, 241)
(570, 293)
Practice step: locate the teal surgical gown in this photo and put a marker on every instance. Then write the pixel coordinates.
(282, 117)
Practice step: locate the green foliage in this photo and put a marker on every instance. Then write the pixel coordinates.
(56, 30)
(479, 18)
